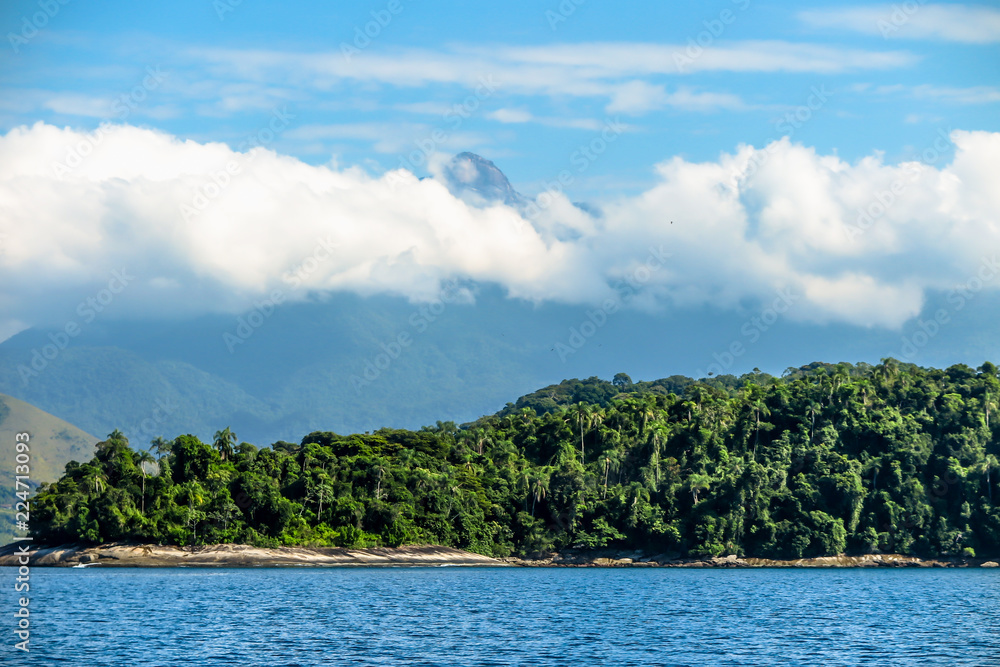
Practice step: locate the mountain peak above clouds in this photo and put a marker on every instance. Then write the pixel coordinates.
(468, 173)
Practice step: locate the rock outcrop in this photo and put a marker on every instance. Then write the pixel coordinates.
(606, 558)
(240, 555)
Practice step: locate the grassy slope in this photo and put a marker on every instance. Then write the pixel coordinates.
(53, 443)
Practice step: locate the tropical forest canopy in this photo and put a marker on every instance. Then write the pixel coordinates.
(824, 460)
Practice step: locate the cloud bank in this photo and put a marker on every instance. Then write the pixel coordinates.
(202, 228)
(969, 24)
(630, 76)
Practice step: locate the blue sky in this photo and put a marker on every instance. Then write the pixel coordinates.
(561, 70)
(848, 153)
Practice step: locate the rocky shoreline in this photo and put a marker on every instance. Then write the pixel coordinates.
(241, 555)
(573, 558)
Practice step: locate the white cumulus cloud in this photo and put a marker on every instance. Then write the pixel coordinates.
(203, 228)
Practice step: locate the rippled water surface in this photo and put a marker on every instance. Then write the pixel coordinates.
(507, 616)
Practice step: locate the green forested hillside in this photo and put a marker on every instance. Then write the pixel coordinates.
(828, 459)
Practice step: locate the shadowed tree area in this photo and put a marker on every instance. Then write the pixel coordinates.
(825, 460)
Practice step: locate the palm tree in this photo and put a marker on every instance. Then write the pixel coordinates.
(990, 463)
(95, 477)
(988, 402)
(647, 410)
(660, 433)
(886, 372)
(524, 480)
(612, 461)
(840, 376)
(380, 469)
(322, 487)
(107, 448)
(607, 467)
(697, 484)
(698, 393)
(540, 487)
(755, 399)
(224, 441)
(481, 438)
(144, 458)
(873, 466)
(812, 409)
(584, 415)
(160, 445)
(640, 498)
(597, 417)
(864, 387)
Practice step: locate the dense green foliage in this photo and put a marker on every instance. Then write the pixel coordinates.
(827, 459)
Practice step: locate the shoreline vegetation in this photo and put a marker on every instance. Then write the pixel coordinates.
(828, 459)
(241, 555)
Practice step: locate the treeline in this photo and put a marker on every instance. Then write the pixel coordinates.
(827, 459)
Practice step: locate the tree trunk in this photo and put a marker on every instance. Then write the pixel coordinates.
(756, 437)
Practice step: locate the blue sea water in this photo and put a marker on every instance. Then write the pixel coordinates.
(506, 616)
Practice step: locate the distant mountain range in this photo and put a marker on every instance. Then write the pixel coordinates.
(333, 363)
(320, 365)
